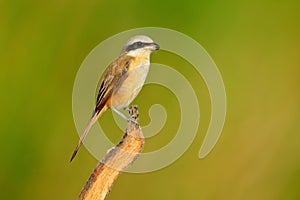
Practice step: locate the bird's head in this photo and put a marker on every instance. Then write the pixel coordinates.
(140, 45)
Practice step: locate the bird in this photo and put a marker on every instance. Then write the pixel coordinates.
(122, 81)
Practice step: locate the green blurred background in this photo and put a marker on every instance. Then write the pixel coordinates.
(256, 46)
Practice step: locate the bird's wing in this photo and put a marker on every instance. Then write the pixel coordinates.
(116, 73)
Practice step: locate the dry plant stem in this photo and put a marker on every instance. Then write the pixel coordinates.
(114, 162)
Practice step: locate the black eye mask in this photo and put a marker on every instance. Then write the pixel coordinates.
(136, 45)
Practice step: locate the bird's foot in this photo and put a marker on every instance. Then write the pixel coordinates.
(131, 119)
(133, 112)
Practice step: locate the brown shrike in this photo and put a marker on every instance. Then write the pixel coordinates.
(122, 81)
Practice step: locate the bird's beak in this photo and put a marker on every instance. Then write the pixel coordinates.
(153, 46)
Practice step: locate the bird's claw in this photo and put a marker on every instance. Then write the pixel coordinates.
(133, 112)
(131, 119)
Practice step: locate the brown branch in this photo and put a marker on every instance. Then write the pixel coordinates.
(114, 162)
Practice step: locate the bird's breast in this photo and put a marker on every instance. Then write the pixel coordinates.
(130, 87)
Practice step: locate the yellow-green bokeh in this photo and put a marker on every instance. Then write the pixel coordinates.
(256, 46)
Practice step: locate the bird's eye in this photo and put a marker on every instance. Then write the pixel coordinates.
(136, 45)
(139, 44)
